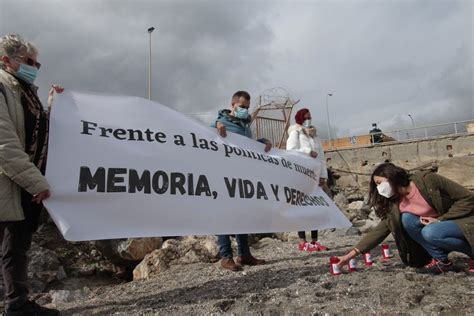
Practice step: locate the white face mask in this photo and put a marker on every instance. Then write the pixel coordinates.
(385, 189)
(307, 123)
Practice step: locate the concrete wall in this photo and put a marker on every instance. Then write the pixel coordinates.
(453, 155)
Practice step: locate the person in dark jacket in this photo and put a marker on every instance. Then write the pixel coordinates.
(429, 216)
(376, 134)
(237, 120)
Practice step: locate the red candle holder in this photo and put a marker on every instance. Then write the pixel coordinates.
(368, 259)
(334, 268)
(386, 253)
(352, 265)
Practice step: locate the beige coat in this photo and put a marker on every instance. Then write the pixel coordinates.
(16, 169)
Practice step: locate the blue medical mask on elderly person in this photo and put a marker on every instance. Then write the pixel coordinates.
(241, 113)
(307, 123)
(27, 73)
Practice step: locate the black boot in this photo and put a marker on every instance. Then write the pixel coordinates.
(32, 309)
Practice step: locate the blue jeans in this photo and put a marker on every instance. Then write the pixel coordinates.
(225, 248)
(438, 239)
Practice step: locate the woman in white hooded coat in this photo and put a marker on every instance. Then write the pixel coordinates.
(302, 137)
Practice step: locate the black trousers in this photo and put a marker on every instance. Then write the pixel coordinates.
(16, 240)
(314, 235)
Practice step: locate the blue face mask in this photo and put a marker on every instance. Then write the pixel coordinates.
(307, 123)
(27, 73)
(241, 113)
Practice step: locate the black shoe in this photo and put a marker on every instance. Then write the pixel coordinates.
(32, 309)
(436, 267)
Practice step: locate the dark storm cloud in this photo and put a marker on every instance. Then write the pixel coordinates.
(202, 51)
(381, 60)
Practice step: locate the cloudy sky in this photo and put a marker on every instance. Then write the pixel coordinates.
(381, 60)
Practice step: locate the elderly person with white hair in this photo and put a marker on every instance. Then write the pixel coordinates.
(23, 147)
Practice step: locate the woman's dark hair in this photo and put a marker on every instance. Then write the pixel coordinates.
(397, 177)
(299, 117)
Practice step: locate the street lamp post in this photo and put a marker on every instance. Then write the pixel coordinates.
(329, 124)
(150, 30)
(413, 124)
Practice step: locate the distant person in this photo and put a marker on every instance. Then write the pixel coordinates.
(428, 215)
(23, 147)
(237, 120)
(303, 137)
(376, 134)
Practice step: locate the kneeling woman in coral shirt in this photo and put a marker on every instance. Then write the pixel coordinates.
(429, 216)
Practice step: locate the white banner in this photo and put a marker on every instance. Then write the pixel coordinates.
(129, 167)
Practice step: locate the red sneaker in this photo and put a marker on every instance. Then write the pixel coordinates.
(306, 246)
(319, 246)
(471, 266)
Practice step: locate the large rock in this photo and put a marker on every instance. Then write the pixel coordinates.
(340, 200)
(281, 236)
(255, 238)
(138, 248)
(351, 231)
(197, 249)
(365, 225)
(347, 181)
(188, 250)
(65, 296)
(293, 237)
(355, 195)
(152, 264)
(128, 252)
(43, 268)
(373, 216)
(334, 234)
(355, 206)
(357, 210)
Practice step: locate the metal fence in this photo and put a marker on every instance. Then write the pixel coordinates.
(403, 135)
(430, 131)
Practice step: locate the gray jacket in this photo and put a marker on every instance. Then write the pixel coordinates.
(16, 169)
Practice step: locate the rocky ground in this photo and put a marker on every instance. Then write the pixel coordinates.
(292, 282)
(183, 276)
